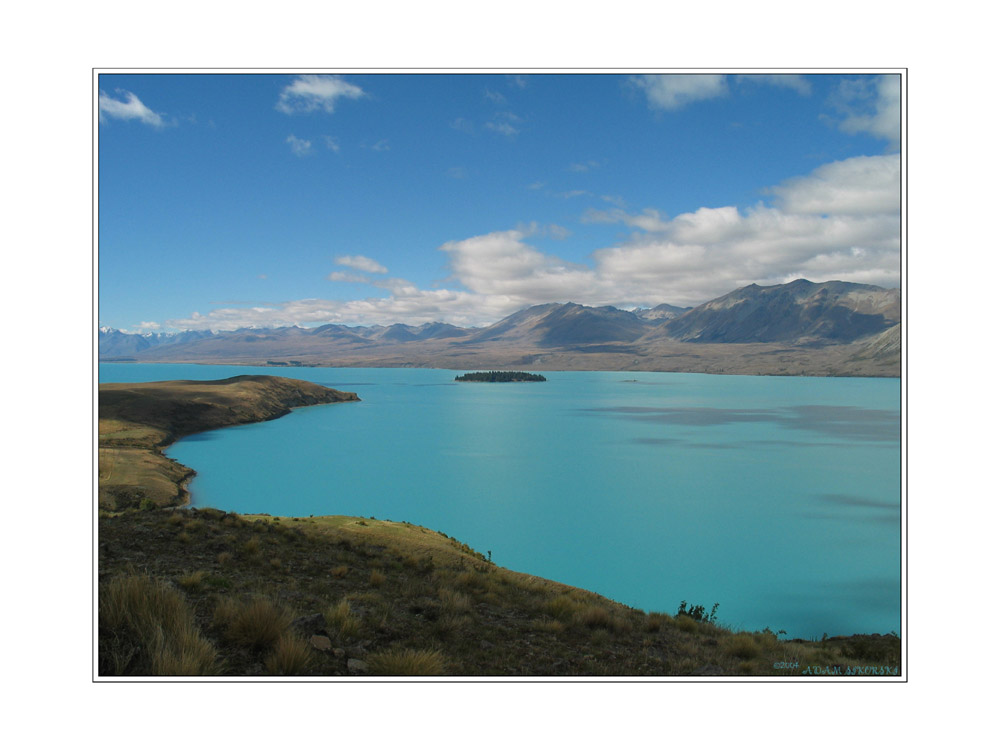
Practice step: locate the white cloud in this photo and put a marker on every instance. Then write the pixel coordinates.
(504, 128)
(648, 221)
(870, 105)
(503, 123)
(148, 325)
(360, 263)
(502, 264)
(674, 91)
(300, 146)
(840, 222)
(331, 143)
(352, 278)
(795, 82)
(128, 108)
(308, 93)
(856, 186)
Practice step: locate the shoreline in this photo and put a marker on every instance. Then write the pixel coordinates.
(541, 368)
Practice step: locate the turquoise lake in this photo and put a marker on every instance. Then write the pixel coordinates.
(777, 497)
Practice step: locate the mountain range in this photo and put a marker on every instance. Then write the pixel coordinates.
(829, 328)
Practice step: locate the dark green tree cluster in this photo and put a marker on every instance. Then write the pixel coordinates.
(498, 376)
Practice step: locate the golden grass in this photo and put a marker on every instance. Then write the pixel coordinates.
(341, 622)
(657, 621)
(562, 607)
(686, 624)
(192, 581)
(454, 601)
(407, 662)
(742, 646)
(251, 546)
(155, 630)
(548, 625)
(291, 656)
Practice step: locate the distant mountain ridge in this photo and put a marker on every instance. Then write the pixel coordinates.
(798, 315)
(831, 311)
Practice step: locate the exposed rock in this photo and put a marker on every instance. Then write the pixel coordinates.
(321, 642)
(356, 666)
(310, 624)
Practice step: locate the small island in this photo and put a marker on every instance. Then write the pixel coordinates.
(500, 376)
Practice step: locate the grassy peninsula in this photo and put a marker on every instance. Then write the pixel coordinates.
(137, 420)
(186, 591)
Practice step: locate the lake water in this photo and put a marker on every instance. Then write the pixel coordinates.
(777, 497)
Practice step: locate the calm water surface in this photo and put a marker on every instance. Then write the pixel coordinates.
(779, 498)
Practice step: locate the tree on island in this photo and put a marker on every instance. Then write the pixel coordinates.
(499, 376)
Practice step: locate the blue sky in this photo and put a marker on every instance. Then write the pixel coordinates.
(284, 199)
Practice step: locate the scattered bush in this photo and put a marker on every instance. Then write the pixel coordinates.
(697, 613)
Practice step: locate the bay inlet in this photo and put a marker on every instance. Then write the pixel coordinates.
(777, 497)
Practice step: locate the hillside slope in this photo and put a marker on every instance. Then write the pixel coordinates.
(800, 311)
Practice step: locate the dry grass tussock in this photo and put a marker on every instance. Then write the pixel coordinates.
(291, 656)
(257, 623)
(407, 662)
(151, 630)
(341, 622)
